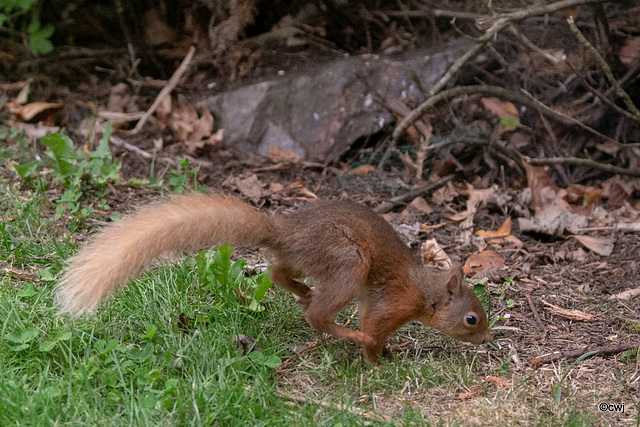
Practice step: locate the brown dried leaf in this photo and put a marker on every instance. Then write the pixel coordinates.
(630, 50)
(501, 236)
(498, 381)
(475, 391)
(29, 111)
(500, 108)
(544, 192)
(421, 204)
(431, 252)
(577, 315)
(278, 154)
(503, 231)
(625, 295)
(19, 274)
(362, 170)
(482, 261)
(600, 245)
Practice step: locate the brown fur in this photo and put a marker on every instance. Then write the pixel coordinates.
(349, 251)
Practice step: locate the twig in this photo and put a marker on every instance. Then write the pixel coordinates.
(494, 25)
(576, 315)
(114, 140)
(536, 315)
(571, 354)
(173, 82)
(605, 67)
(536, 10)
(583, 162)
(123, 144)
(395, 201)
(426, 12)
(520, 98)
(340, 406)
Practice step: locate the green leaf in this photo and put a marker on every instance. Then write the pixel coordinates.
(236, 272)
(170, 385)
(28, 291)
(148, 401)
(221, 264)
(51, 392)
(27, 170)
(105, 347)
(103, 151)
(63, 157)
(264, 283)
(39, 37)
(25, 336)
(144, 354)
(25, 4)
(47, 346)
(509, 121)
(273, 361)
(20, 347)
(63, 336)
(151, 331)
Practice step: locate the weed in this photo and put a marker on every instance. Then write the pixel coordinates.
(16, 13)
(77, 172)
(180, 177)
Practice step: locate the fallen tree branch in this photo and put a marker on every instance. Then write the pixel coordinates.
(520, 98)
(536, 315)
(572, 354)
(386, 206)
(495, 24)
(173, 82)
(582, 162)
(605, 68)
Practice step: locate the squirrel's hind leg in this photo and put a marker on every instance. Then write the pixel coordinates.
(283, 276)
(325, 305)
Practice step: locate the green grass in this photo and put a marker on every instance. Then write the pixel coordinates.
(161, 352)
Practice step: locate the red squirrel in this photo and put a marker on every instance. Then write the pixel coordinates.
(348, 251)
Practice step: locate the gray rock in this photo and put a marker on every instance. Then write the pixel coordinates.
(320, 114)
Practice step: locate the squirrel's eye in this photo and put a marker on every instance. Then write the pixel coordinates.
(470, 319)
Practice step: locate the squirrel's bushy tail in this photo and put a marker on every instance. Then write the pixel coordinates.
(184, 223)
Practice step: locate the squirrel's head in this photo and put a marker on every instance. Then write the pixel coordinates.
(455, 309)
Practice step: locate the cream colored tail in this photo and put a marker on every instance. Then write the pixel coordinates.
(184, 223)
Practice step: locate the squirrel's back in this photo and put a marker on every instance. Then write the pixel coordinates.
(317, 235)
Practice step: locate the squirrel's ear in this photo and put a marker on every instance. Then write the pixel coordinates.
(453, 285)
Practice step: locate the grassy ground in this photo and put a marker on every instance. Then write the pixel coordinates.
(162, 353)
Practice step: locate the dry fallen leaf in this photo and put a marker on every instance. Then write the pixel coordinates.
(482, 261)
(501, 236)
(498, 381)
(470, 394)
(421, 204)
(29, 111)
(600, 245)
(278, 154)
(431, 252)
(625, 295)
(362, 170)
(576, 315)
(500, 108)
(630, 50)
(544, 192)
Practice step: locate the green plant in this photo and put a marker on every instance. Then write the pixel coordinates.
(556, 387)
(13, 14)
(77, 172)
(215, 270)
(179, 180)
